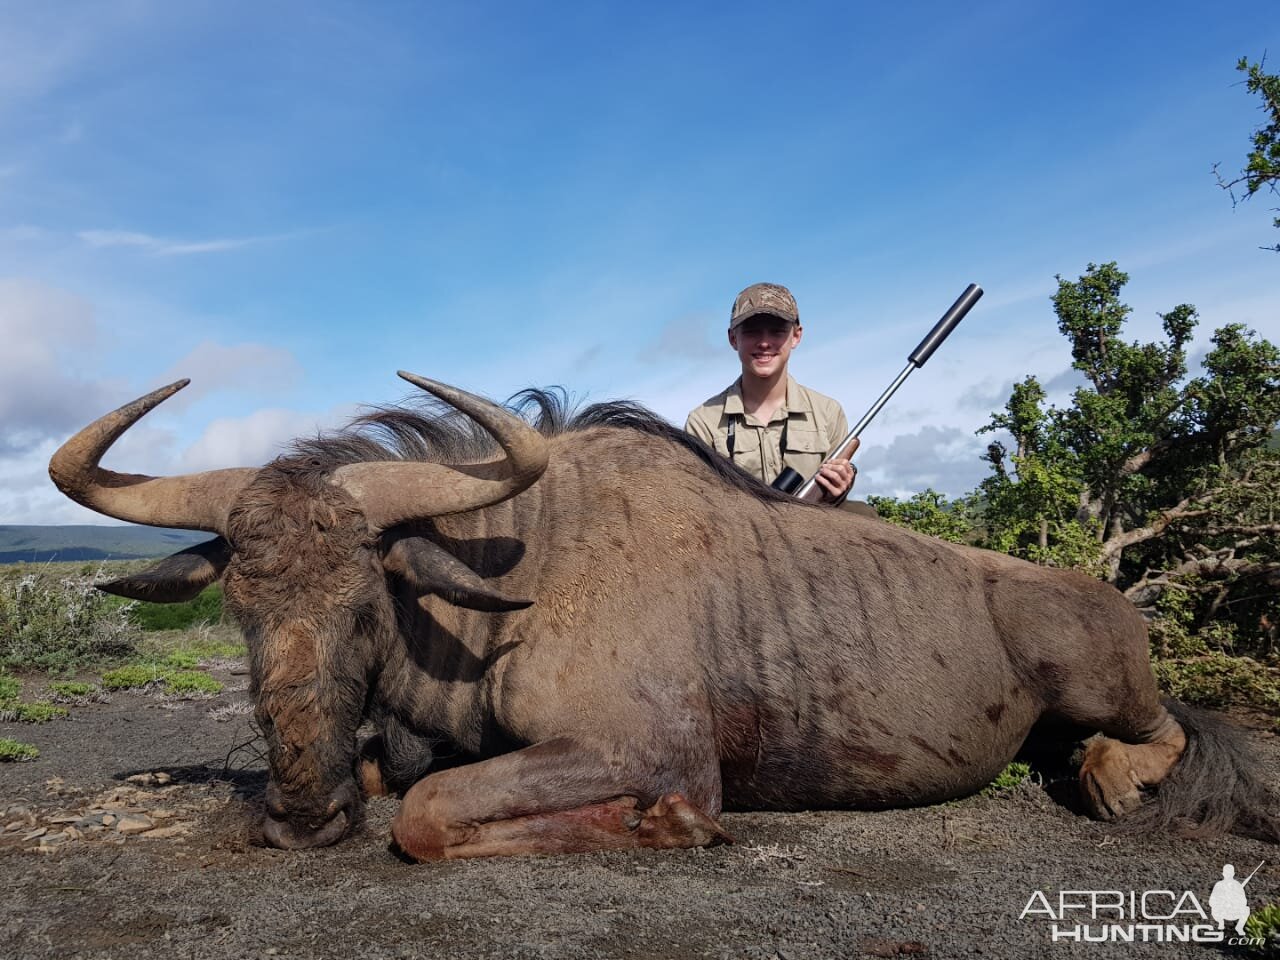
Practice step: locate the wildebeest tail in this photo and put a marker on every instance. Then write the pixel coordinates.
(1215, 788)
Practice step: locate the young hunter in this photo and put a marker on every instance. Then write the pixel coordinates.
(765, 420)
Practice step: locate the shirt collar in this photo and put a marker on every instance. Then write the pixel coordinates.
(796, 402)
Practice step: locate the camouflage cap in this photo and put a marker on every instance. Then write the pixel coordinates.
(764, 299)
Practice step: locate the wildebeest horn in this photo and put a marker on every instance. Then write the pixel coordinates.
(391, 493)
(197, 501)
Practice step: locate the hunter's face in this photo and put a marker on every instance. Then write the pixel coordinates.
(764, 345)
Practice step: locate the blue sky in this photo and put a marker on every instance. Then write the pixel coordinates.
(287, 202)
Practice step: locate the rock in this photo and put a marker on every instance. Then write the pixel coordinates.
(162, 777)
(14, 825)
(109, 819)
(135, 823)
(53, 839)
(160, 813)
(165, 833)
(38, 832)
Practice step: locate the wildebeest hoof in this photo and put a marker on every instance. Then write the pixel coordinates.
(1110, 786)
(675, 822)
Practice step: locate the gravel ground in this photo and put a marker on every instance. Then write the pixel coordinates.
(133, 836)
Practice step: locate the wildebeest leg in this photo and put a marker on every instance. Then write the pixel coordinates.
(1114, 772)
(553, 797)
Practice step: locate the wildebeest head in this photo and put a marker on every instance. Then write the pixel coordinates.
(304, 546)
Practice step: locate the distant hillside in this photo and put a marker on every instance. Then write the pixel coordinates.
(37, 544)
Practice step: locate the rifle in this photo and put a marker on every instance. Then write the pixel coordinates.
(790, 481)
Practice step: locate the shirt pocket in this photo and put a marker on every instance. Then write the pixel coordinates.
(806, 449)
(746, 450)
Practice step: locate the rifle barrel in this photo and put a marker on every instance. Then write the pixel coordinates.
(919, 356)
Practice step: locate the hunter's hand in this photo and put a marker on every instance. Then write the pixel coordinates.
(836, 477)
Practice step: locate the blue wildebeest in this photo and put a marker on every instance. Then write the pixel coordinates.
(604, 634)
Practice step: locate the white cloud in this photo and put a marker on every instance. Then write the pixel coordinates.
(242, 367)
(944, 458)
(253, 440)
(43, 329)
(161, 247)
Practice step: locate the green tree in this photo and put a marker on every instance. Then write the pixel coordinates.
(927, 512)
(1262, 165)
(1152, 480)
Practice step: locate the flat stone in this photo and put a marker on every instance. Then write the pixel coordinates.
(38, 832)
(164, 833)
(162, 777)
(109, 819)
(65, 818)
(14, 825)
(134, 824)
(52, 839)
(160, 813)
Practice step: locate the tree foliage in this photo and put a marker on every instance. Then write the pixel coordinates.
(1262, 165)
(927, 512)
(1154, 481)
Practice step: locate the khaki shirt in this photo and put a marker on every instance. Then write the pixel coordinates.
(815, 426)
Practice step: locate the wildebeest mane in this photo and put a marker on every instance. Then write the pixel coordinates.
(428, 430)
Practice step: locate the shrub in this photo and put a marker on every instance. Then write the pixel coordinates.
(12, 751)
(9, 687)
(205, 608)
(59, 624)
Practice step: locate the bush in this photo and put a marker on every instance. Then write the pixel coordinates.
(12, 751)
(60, 624)
(205, 608)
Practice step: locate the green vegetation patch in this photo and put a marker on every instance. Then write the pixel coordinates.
(205, 608)
(9, 687)
(51, 621)
(14, 751)
(72, 689)
(37, 711)
(1264, 924)
(1218, 680)
(170, 680)
(191, 681)
(1014, 775)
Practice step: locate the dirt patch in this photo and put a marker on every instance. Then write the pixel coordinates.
(188, 878)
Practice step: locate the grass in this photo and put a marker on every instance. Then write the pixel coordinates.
(14, 751)
(9, 687)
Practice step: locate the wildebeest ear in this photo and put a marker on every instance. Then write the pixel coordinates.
(176, 578)
(429, 568)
